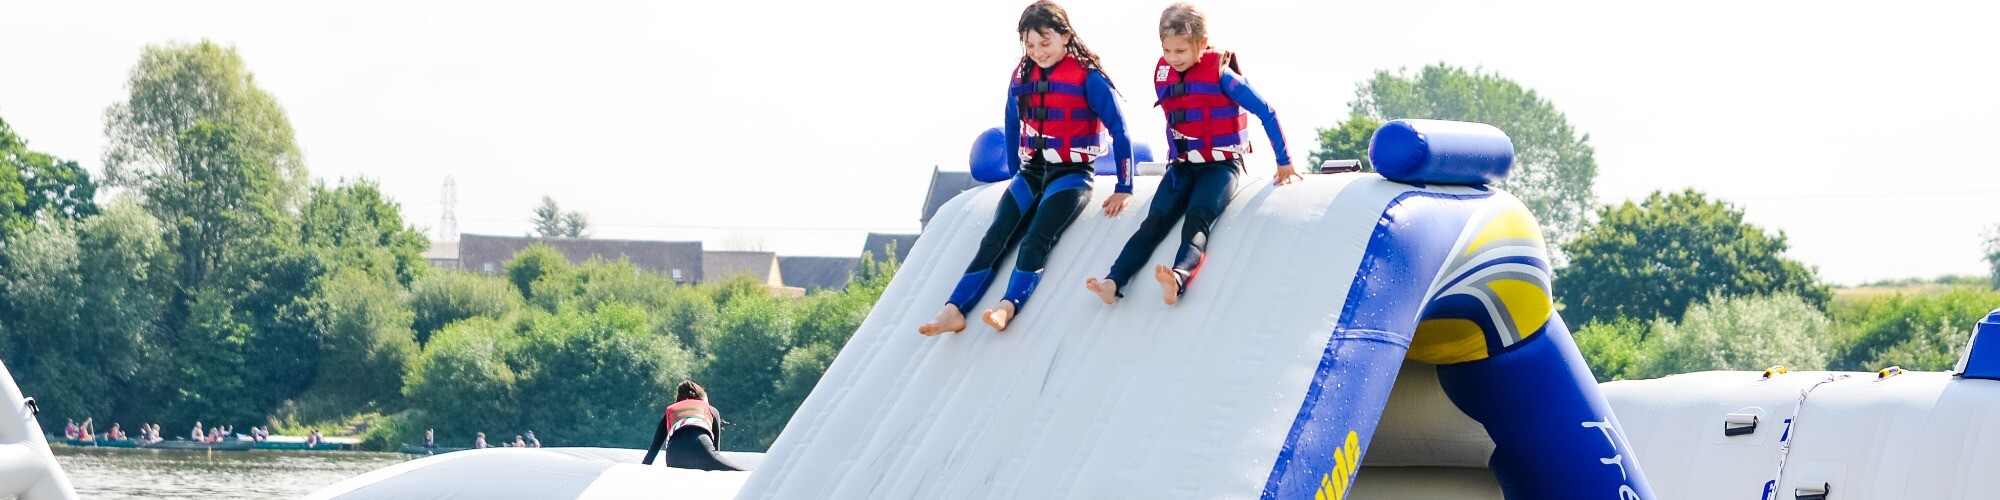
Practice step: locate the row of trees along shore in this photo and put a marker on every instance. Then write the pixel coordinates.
(205, 276)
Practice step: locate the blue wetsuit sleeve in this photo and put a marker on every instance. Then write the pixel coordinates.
(1012, 130)
(1238, 89)
(1104, 102)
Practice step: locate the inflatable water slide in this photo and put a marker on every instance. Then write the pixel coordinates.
(1270, 379)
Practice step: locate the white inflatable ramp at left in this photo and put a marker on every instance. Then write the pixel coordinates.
(582, 473)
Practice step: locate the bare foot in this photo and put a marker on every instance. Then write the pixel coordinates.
(999, 316)
(1170, 283)
(948, 320)
(1105, 289)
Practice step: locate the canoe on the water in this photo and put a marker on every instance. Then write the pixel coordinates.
(419, 450)
(298, 446)
(103, 443)
(194, 445)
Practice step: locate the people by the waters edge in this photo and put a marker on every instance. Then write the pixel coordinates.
(149, 433)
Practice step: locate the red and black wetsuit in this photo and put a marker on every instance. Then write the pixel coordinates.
(1057, 118)
(691, 433)
(1206, 133)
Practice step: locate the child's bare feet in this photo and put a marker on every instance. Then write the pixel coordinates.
(999, 316)
(1104, 288)
(948, 320)
(1170, 283)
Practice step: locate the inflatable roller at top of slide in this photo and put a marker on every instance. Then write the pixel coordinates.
(1269, 378)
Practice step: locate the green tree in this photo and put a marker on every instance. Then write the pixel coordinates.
(1742, 333)
(1555, 167)
(82, 297)
(214, 197)
(689, 316)
(359, 228)
(365, 345)
(463, 383)
(552, 222)
(1655, 258)
(1347, 140)
(35, 184)
(533, 264)
(1916, 331)
(211, 381)
(174, 89)
(1615, 350)
(746, 359)
(597, 378)
(440, 298)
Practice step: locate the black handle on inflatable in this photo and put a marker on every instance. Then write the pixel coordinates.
(1809, 493)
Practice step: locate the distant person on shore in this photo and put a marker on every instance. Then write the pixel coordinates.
(479, 443)
(690, 432)
(532, 442)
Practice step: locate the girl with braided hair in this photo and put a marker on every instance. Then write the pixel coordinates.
(1060, 107)
(1205, 100)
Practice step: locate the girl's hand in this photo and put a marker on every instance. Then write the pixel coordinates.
(1115, 204)
(1286, 175)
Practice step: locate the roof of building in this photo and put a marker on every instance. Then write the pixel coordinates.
(879, 243)
(944, 185)
(477, 250)
(824, 273)
(761, 266)
(442, 250)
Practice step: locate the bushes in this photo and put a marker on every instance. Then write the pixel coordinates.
(440, 298)
(596, 359)
(1742, 333)
(1917, 331)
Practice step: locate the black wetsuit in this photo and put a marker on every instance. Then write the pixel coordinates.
(1198, 190)
(1041, 202)
(690, 447)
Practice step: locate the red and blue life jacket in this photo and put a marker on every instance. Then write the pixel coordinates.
(692, 413)
(1055, 114)
(1203, 124)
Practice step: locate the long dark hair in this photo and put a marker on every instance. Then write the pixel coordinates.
(1046, 15)
(690, 390)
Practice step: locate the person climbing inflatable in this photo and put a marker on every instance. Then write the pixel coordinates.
(1205, 98)
(1060, 106)
(690, 432)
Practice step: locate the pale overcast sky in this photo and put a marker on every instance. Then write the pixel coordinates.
(1864, 131)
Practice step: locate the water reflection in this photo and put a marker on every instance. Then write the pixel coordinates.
(136, 473)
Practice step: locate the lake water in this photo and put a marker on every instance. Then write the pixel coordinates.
(137, 473)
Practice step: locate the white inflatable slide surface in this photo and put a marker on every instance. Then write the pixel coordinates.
(1082, 400)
